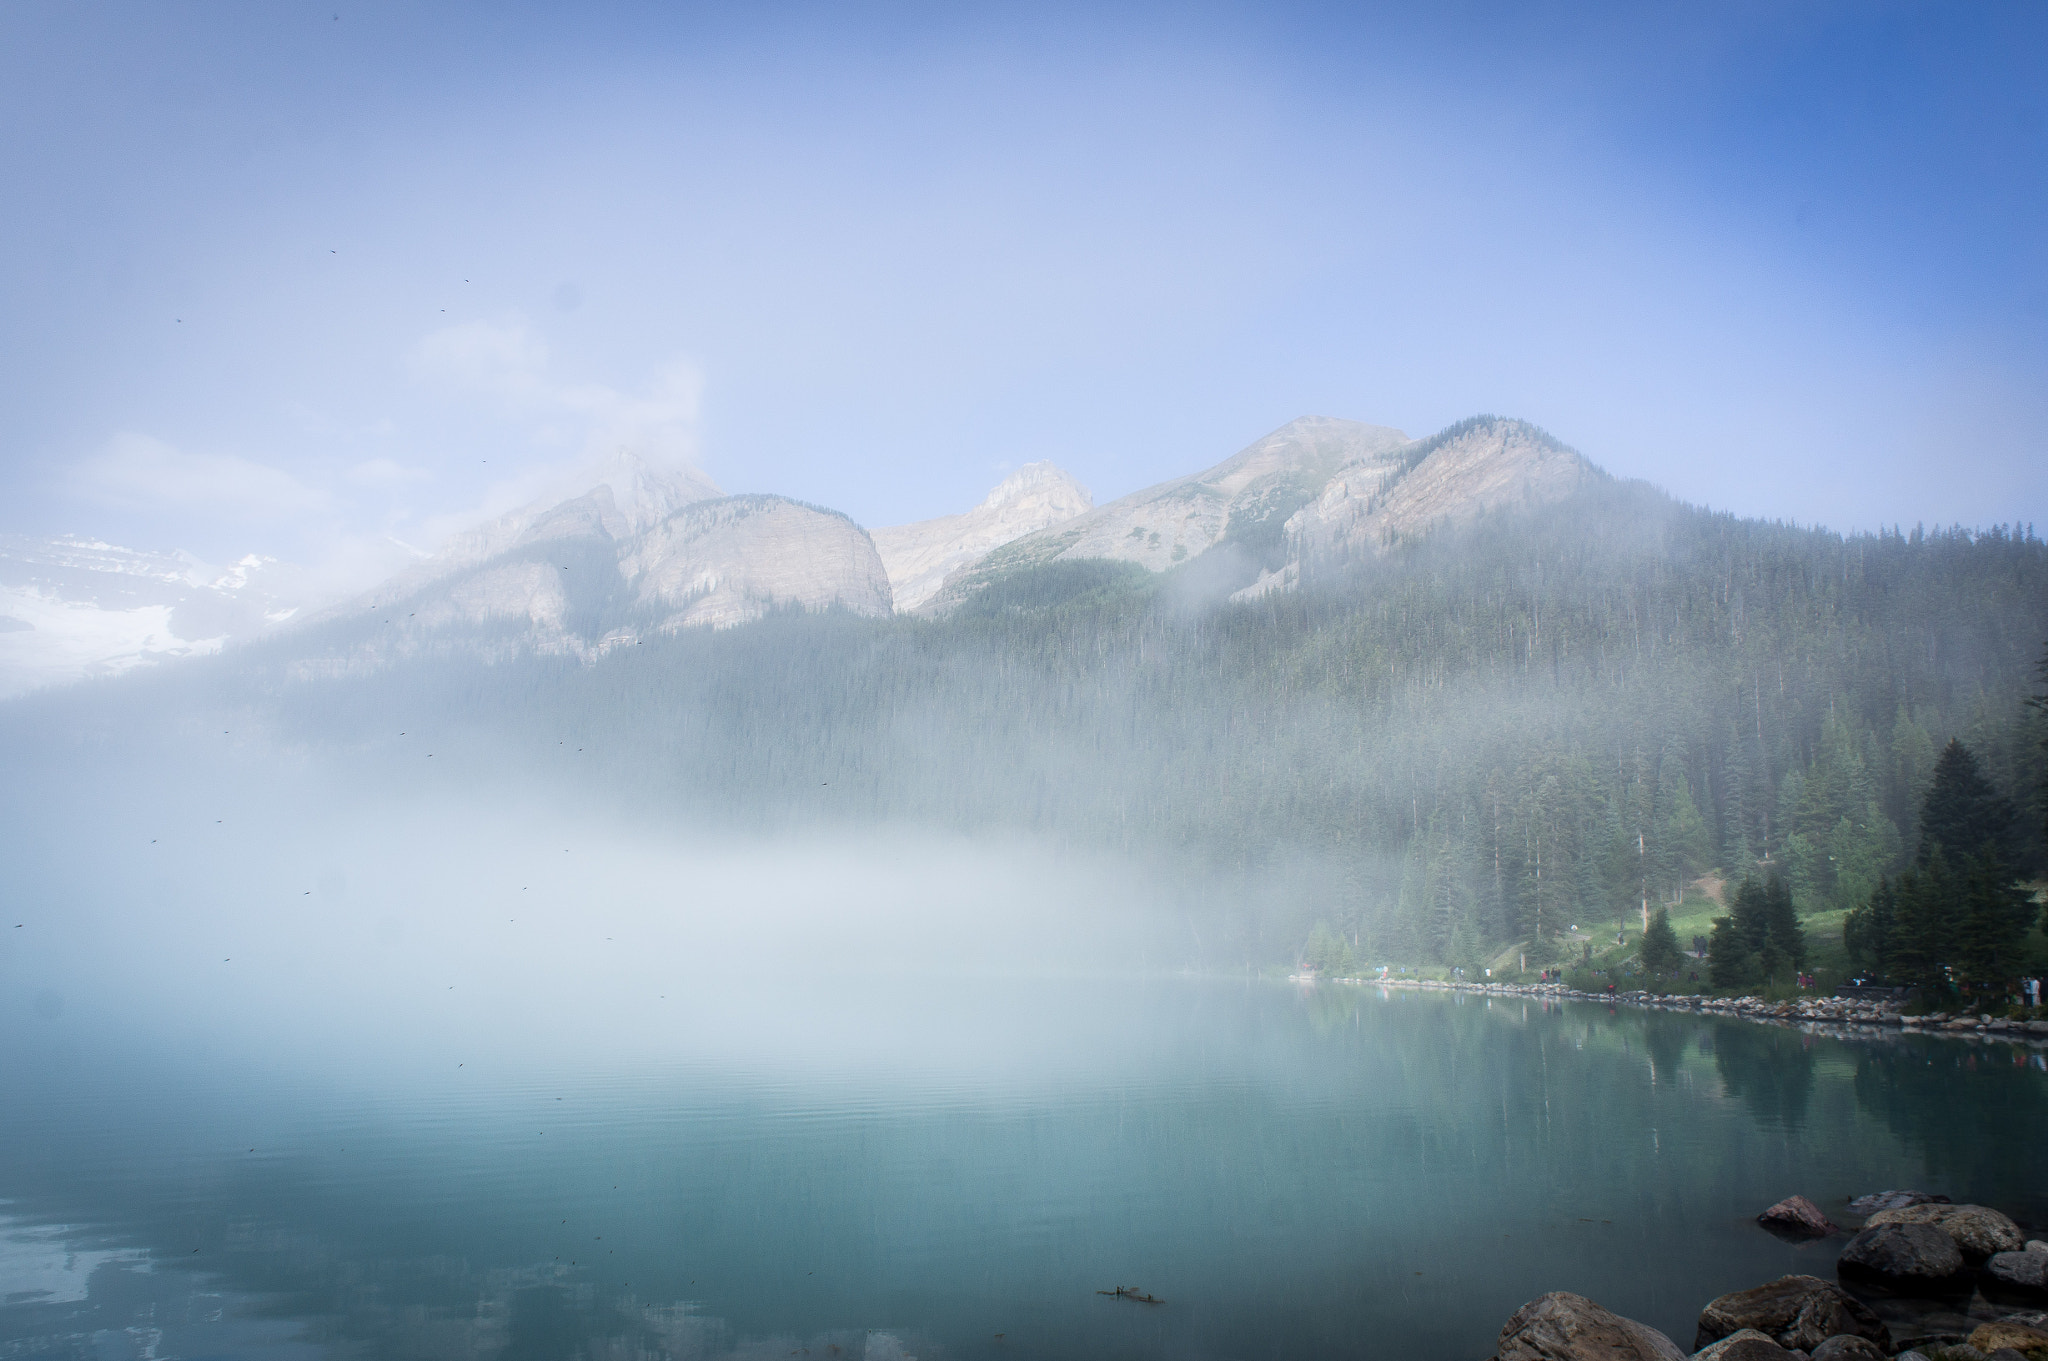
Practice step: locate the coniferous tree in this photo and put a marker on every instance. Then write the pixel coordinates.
(1731, 962)
(1963, 814)
(1660, 944)
(1867, 931)
(1781, 922)
(1923, 925)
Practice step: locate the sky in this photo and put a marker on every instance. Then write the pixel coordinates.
(328, 282)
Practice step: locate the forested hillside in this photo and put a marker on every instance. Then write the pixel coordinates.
(1479, 735)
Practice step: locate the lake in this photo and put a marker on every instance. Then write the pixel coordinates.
(954, 1166)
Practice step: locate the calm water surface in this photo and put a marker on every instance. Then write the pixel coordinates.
(953, 1168)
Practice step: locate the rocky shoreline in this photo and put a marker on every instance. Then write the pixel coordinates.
(1839, 1015)
(1921, 1280)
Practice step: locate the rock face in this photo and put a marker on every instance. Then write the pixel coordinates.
(1746, 1345)
(1977, 1229)
(2019, 1270)
(1475, 466)
(919, 557)
(604, 568)
(1313, 495)
(1244, 500)
(1892, 1200)
(1562, 1326)
(1906, 1254)
(1795, 1311)
(1797, 1215)
(720, 563)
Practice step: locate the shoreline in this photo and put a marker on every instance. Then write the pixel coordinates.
(1819, 1015)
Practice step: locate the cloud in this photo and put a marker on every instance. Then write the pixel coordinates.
(508, 363)
(385, 472)
(139, 470)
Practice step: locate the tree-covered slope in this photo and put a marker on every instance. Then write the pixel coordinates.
(1486, 733)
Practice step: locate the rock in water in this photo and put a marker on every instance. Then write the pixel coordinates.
(1848, 1347)
(1977, 1229)
(2019, 1270)
(1793, 1311)
(1745, 1345)
(1797, 1214)
(1892, 1200)
(1905, 1254)
(2006, 1333)
(1562, 1326)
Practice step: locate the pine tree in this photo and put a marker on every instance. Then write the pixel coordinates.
(1751, 914)
(1781, 923)
(1962, 813)
(1660, 944)
(1992, 917)
(1731, 962)
(1867, 931)
(1923, 926)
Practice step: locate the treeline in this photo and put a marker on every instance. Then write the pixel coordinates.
(1954, 920)
(1541, 719)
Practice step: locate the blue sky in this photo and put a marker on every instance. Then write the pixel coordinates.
(297, 278)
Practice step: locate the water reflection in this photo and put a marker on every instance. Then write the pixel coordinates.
(1295, 1172)
(1969, 1111)
(1769, 1069)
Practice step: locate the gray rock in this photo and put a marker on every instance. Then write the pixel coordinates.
(1903, 1254)
(1892, 1200)
(1962, 1351)
(1798, 1215)
(2019, 1270)
(1562, 1326)
(1977, 1229)
(2036, 1245)
(1848, 1347)
(2008, 1333)
(1745, 1345)
(2007, 1354)
(1793, 1311)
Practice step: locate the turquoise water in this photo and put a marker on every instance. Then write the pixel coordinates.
(955, 1167)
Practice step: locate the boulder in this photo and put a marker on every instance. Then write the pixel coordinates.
(1977, 1229)
(1904, 1254)
(1746, 1345)
(1892, 1200)
(1562, 1326)
(2019, 1270)
(2036, 1245)
(2006, 1333)
(2006, 1354)
(1797, 1215)
(1793, 1311)
(1848, 1347)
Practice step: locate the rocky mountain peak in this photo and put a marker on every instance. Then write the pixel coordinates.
(919, 557)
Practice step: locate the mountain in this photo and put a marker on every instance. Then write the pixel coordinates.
(919, 557)
(1479, 465)
(1318, 493)
(1500, 694)
(644, 551)
(72, 608)
(1241, 502)
(618, 499)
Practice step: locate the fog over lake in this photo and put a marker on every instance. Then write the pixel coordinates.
(893, 682)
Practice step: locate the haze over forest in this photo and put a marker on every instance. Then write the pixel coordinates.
(1439, 695)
